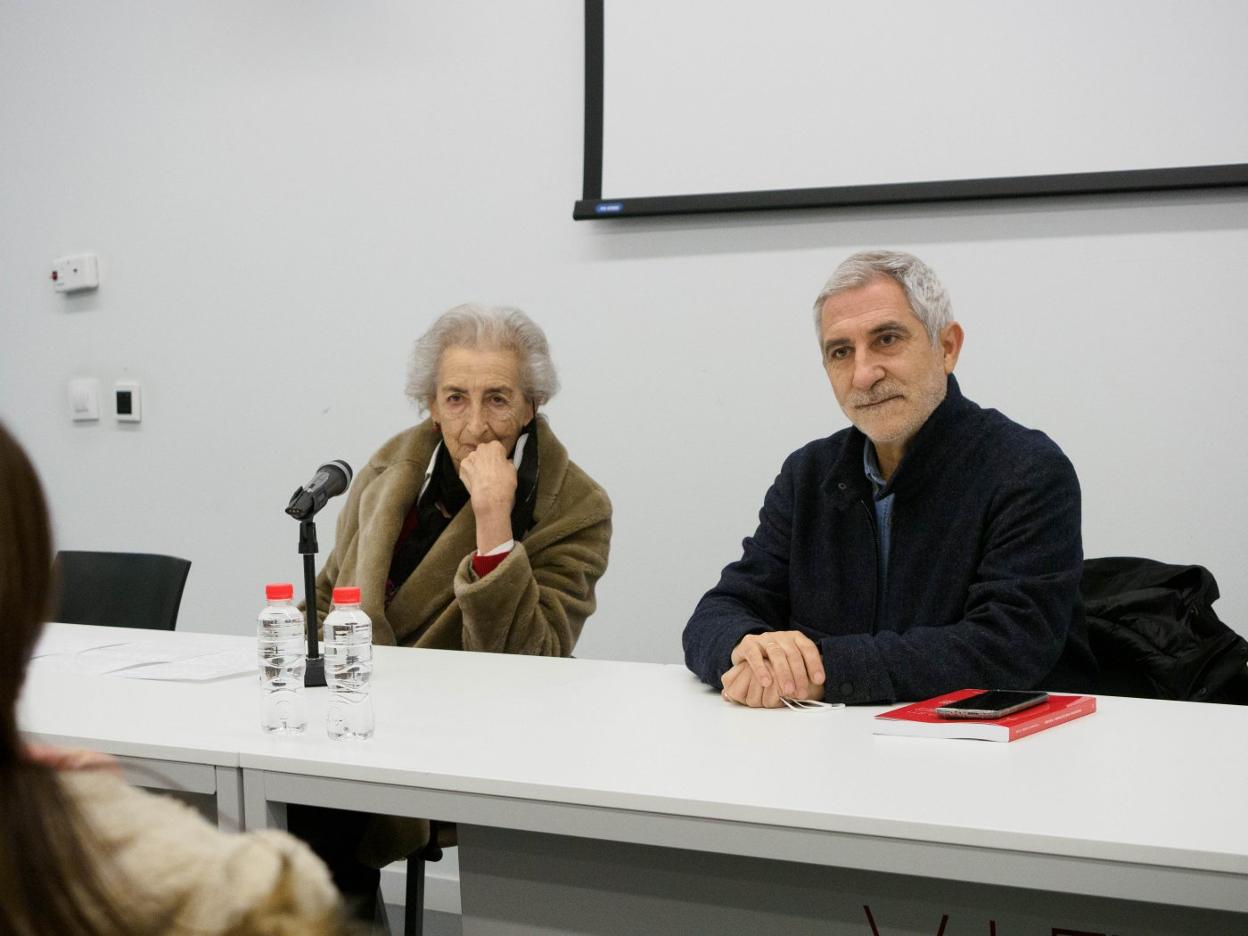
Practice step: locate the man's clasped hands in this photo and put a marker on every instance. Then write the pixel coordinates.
(772, 667)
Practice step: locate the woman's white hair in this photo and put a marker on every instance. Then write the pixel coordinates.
(927, 297)
(492, 328)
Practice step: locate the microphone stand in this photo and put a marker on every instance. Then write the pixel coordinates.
(330, 479)
(315, 673)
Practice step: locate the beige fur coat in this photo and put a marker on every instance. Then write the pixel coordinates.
(535, 601)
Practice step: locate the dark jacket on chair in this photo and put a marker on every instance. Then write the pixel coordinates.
(1155, 634)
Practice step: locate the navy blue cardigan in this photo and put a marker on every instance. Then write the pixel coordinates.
(983, 573)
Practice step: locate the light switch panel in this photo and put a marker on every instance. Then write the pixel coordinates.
(84, 399)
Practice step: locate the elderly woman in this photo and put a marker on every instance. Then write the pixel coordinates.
(470, 531)
(474, 530)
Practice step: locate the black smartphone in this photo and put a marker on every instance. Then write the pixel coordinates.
(996, 703)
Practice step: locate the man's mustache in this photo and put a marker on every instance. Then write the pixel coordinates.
(877, 394)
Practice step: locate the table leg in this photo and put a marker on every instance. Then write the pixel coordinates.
(258, 811)
(229, 799)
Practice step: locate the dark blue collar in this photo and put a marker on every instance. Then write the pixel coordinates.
(926, 449)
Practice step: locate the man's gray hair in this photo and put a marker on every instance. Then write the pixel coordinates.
(927, 297)
(490, 328)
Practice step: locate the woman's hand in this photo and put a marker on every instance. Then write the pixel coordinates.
(490, 478)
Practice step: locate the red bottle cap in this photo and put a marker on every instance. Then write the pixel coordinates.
(346, 596)
(279, 591)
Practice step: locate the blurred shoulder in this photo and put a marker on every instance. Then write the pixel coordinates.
(186, 866)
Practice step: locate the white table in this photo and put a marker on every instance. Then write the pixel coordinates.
(176, 736)
(601, 797)
(604, 797)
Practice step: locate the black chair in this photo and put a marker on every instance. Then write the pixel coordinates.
(441, 835)
(119, 589)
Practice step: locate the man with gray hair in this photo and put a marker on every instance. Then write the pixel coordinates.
(933, 545)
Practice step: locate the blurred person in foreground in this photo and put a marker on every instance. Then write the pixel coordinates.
(84, 852)
(933, 545)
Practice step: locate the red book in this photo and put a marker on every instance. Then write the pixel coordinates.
(920, 719)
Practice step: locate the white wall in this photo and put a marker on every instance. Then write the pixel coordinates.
(284, 194)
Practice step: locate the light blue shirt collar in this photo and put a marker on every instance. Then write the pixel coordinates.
(871, 465)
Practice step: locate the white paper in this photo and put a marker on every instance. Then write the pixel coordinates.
(153, 651)
(197, 669)
(83, 664)
(117, 658)
(56, 642)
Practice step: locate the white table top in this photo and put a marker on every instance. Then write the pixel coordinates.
(202, 723)
(1141, 782)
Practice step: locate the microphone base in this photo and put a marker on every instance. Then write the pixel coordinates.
(314, 675)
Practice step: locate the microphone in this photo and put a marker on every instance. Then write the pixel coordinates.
(330, 480)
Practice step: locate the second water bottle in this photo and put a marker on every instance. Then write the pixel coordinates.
(348, 667)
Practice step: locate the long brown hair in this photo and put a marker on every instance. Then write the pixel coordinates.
(49, 882)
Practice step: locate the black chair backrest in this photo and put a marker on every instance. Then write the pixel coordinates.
(120, 589)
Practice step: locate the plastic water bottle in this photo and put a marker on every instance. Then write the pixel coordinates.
(283, 658)
(348, 649)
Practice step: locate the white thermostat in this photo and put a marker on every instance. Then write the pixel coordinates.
(127, 401)
(71, 274)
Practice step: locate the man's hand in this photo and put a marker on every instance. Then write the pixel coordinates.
(741, 687)
(787, 661)
(490, 478)
(59, 758)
